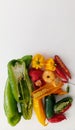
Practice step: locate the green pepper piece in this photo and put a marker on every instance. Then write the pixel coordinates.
(49, 105)
(21, 85)
(10, 106)
(27, 59)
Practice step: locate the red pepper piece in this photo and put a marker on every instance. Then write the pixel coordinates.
(57, 118)
(61, 74)
(62, 65)
(66, 108)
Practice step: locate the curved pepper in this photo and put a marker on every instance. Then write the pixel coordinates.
(10, 106)
(39, 111)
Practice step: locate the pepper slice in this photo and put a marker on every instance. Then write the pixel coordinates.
(63, 105)
(21, 85)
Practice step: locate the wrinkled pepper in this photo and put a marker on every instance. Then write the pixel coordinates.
(21, 85)
(10, 106)
(39, 111)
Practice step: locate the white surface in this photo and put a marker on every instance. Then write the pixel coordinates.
(31, 26)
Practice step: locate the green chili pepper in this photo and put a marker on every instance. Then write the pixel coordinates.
(21, 85)
(10, 106)
(49, 106)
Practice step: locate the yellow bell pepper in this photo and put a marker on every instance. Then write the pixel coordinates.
(38, 61)
(39, 111)
(50, 64)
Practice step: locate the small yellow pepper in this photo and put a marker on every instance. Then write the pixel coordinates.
(50, 64)
(39, 111)
(38, 61)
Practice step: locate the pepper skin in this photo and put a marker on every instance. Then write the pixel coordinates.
(39, 111)
(10, 106)
(49, 105)
(59, 61)
(61, 74)
(27, 59)
(57, 118)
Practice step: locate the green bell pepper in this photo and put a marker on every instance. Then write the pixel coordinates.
(21, 85)
(10, 106)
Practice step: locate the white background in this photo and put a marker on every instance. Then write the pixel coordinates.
(32, 26)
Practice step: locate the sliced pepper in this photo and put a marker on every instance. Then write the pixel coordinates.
(21, 85)
(10, 106)
(63, 105)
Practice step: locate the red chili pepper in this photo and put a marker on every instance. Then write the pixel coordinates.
(57, 118)
(66, 108)
(61, 74)
(62, 65)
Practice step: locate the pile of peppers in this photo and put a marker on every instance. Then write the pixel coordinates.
(20, 96)
(18, 89)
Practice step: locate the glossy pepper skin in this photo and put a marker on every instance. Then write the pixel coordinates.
(21, 86)
(61, 74)
(57, 118)
(39, 111)
(27, 59)
(59, 61)
(49, 105)
(63, 105)
(10, 106)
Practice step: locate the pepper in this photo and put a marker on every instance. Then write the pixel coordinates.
(21, 86)
(49, 105)
(38, 61)
(63, 105)
(59, 61)
(61, 74)
(39, 111)
(10, 106)
(46, 90)
(57, 118)
(50, 64)
(27, 59)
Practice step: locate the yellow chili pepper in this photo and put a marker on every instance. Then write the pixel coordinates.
(50, 64)
(38, 61)
(39, 111)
